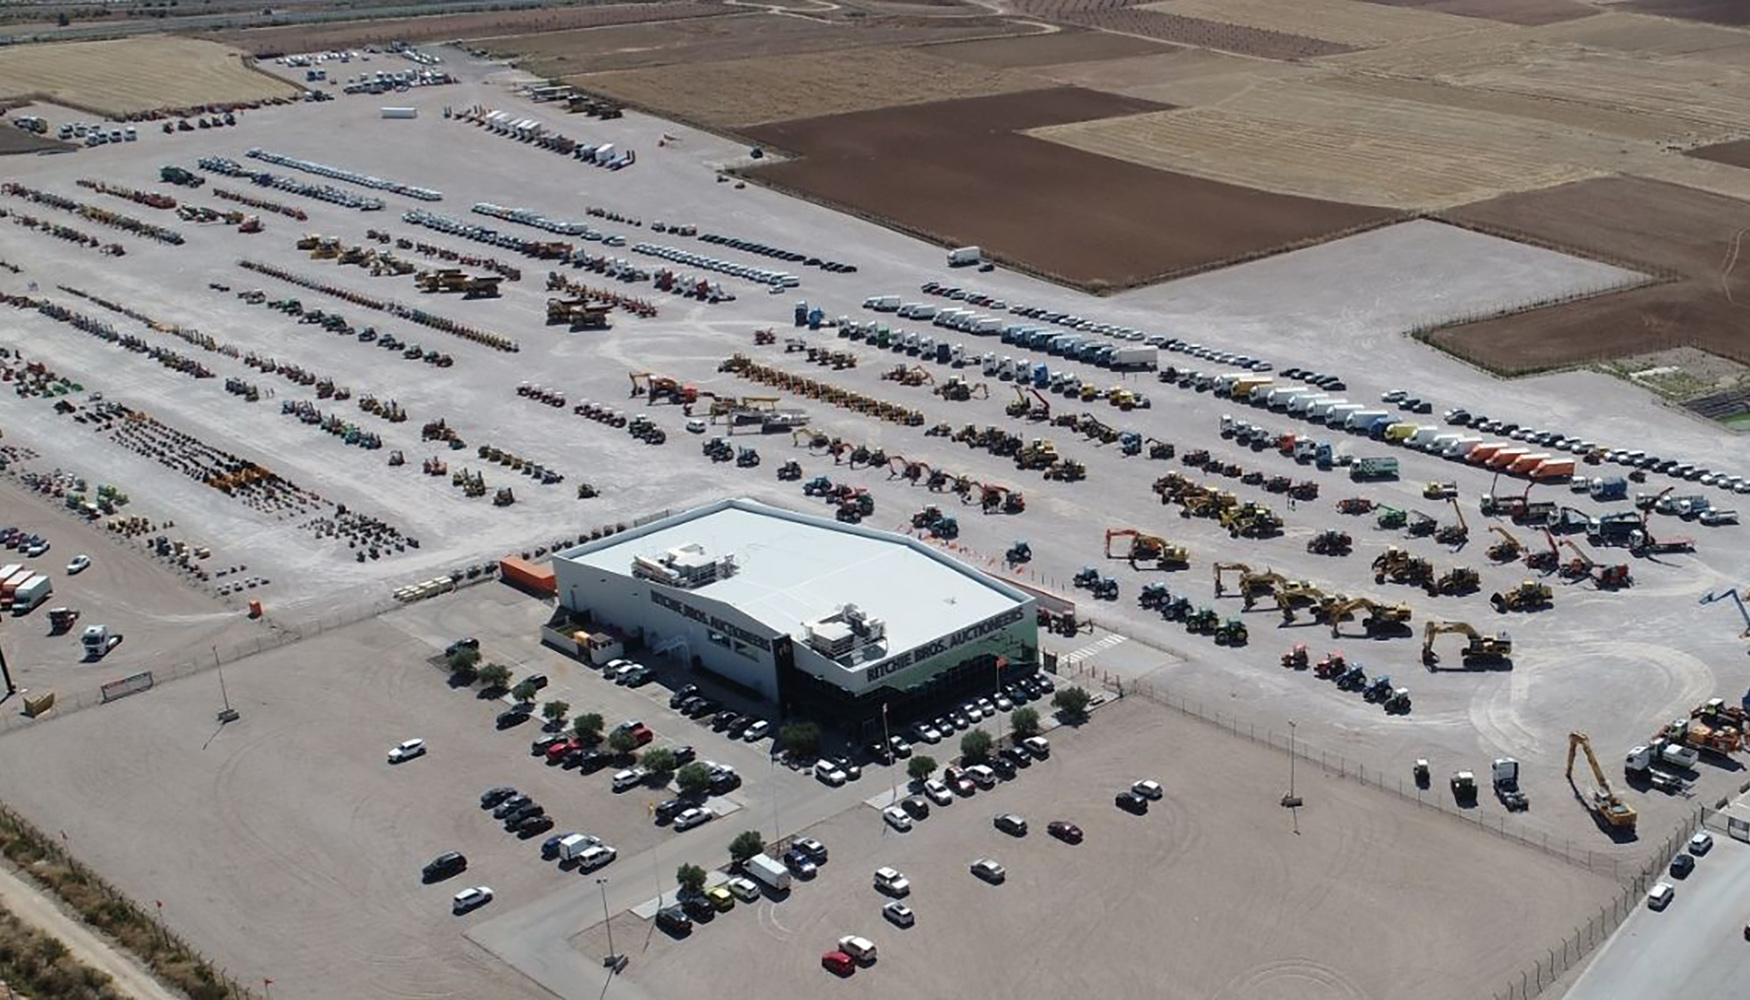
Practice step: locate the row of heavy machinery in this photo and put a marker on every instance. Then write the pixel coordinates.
(1399, 565)
(1581, 567)
(1199, 458)
(1294, 596)
(822, 356)
(1038, 455)
(1414, 523)
(992, 498)
(1334, 667)
(1195, 499)
(851, 503)
(802, 385)
(510, 272)
(557, 282)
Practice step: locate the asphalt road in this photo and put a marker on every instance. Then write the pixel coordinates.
(1694, 948)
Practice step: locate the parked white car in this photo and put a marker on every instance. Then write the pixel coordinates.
(407, 750)
(896, 818)
(78, 564)
(471, 899)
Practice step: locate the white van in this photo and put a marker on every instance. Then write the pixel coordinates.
(859, 948)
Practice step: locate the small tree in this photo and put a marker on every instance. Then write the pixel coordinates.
(62, 19)
(693, 779)
(746, 845)
(464, 665)
(691, 879)
(975, 745)
(494, 675)
(1024, 722)
(554, 711)
(1072, 702)
(921, 767)
(524, 691)
(588, 728)
(800, 738)
(622, 742)
(658, 760)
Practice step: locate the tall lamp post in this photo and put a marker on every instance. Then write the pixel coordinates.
(612, 960)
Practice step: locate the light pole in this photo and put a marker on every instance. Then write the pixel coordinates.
(6, 676)
(1290, 800)
(887, 751)
(613, 958)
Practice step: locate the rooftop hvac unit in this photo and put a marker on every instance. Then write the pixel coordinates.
(686, 567)
(841, 634)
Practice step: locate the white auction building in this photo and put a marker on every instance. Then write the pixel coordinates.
(830, 621)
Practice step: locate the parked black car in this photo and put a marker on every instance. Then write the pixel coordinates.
(512, 717)
(1131, 802)
(444, 865)
(674, 920)
(493, 796)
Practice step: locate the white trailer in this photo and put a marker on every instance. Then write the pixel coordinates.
(31, 593)
(965, 256)
(398, 112)
(768, 871)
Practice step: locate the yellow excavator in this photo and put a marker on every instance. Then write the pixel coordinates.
(1221, 568)
(1146, 548)
(1380, 617)
(1479, 646)
(1603, 802)
(1508, 549)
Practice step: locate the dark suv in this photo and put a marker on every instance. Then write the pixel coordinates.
(674, 920)
(445, 865)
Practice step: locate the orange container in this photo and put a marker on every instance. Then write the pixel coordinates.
(538, 580)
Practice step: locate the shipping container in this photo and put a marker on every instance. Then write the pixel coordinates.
(538, 580)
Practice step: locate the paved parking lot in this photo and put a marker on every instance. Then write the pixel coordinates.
(1146, 899)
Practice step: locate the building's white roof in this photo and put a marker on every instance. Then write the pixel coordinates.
(794, 568)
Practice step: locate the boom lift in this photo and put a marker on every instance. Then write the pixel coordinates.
(1736, 599)
(1477, 646)
(1603, 802)
(1604, 577)
(1508, 549)
(1453, 534)
(1544, 560)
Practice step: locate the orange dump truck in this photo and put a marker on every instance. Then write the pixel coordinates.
(538, 580)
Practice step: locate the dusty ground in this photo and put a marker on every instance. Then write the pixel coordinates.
(1129, 224)
(1528, 12)
(16, 140)
(1687, 233)
(167, 620)
(1346, 22)
(320, 37)
(744, 92)
(135, 74)
(1218, 835)
(1068, 46)
(1262, 43)
(1715, 11)
(1186, 78)
(1735, 153)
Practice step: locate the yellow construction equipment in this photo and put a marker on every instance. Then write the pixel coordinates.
(1508, 548)
(1479, 646)
(1453, 534)
(1529, 595)
(1221, 568)
(1380, 617)
(1603, 802)
(1146, 548)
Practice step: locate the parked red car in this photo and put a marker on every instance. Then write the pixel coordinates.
(557, 751)
(838, 963)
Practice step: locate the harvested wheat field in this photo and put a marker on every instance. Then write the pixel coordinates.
(1347, 22)
(135, 74)
(970, 176)
(1692, 238)
(1262, 43)
(1186, 77)
(1528, 12)
(748, 91)
(1069, 45)
(444, 27)
(1310, 141)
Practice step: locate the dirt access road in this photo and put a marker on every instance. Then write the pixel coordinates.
(30, 905)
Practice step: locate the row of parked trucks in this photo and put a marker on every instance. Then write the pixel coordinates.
(1383, 425)
(22, 589)
(1093, 350)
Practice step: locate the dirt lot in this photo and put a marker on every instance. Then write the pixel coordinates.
(163, 617)
(319, 37)
(1260, 42)
(1735, 153)
(135, 74)
(1528, 12)
(17, 140)
(749, 91)
(1219, 834)
(1067, 46)
(1346, 22)
(1714, 11)
(288, 826)
(1691, 234)
(1127, 224)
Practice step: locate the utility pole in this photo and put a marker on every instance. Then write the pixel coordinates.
(612, 960)
(6, 675)
(227, 714)
(887, 750)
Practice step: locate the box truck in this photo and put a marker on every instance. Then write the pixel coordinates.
(773, 874)
(1610, 488)
(1554, 468)
(31, 593)
(1374, 468)
(1134, 357)
(964, 256)
(572, 847)
(399, 112)
(1338, 416)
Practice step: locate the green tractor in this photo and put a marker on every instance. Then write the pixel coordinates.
(1177, 610)
(1391, 517)
(1231, 633)
(1203, 621)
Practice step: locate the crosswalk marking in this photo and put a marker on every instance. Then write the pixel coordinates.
(1097, 646)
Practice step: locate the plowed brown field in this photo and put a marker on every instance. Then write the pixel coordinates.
(969, 177)
(444, 27)
(1056, 48)
(1528, 12)
(1693, 237)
